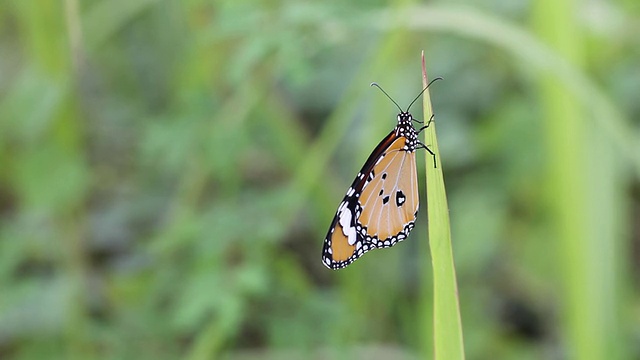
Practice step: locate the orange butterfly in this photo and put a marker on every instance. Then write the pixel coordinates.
(381, 205)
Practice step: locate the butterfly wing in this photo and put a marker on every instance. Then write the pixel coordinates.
(389, 201)
(379, 208)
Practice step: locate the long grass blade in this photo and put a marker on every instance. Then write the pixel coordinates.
(447, 324)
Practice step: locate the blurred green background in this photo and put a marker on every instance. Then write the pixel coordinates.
(168, 171)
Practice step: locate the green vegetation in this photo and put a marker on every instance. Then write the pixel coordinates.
(448, 342)
(168, 170)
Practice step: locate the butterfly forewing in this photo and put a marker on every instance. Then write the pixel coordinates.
(380, 207)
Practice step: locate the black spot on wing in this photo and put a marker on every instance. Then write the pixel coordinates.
(400, 198)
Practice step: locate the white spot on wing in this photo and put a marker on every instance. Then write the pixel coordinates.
(348, 230)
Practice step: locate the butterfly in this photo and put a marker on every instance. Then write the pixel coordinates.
(381, 205)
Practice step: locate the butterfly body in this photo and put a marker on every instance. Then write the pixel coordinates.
(381, 205)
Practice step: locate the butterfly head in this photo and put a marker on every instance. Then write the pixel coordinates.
(405, 117)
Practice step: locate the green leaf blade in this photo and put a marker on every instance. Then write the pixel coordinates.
(448, 341)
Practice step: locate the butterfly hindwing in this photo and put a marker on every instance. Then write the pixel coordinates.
(391, 197)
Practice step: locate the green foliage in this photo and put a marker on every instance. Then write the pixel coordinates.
(168, 170)
(447, 327)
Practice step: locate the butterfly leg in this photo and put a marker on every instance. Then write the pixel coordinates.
(423, 146)
(428, 123)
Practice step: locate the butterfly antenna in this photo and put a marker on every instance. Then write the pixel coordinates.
(421, 92)
(384, 92)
